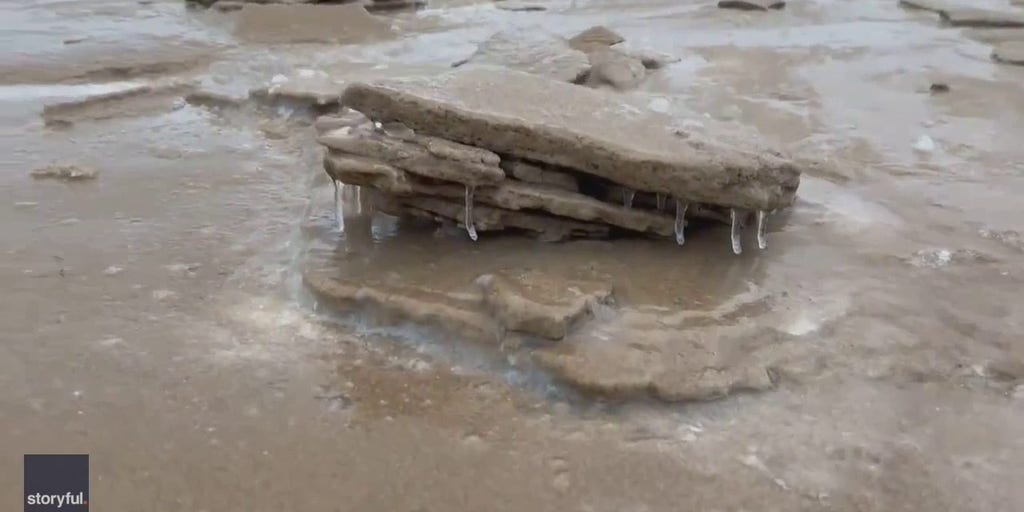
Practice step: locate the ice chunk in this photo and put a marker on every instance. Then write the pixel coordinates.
(924, 144)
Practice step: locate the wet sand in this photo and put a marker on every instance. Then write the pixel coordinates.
(155, 316)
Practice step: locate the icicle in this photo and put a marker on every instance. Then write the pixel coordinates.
(660, 201)
(681, 221)
(470, 228)
(627, 197)
(337, 195)
(735, 219)
(339, 214)
(762, 241)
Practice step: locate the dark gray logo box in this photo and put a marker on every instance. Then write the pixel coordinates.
(56, 483)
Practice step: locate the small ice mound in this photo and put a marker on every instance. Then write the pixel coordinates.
(659, 105)
(112, 341)
(65, 172)
(267, 314)
(814, 315)
(802, 325)
(276, 83)
(182, 269)
(691, 124)
(924, 144)
(932, 258)
(753, 461)
(417, 365)
(1009, 238)
(938, 258)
